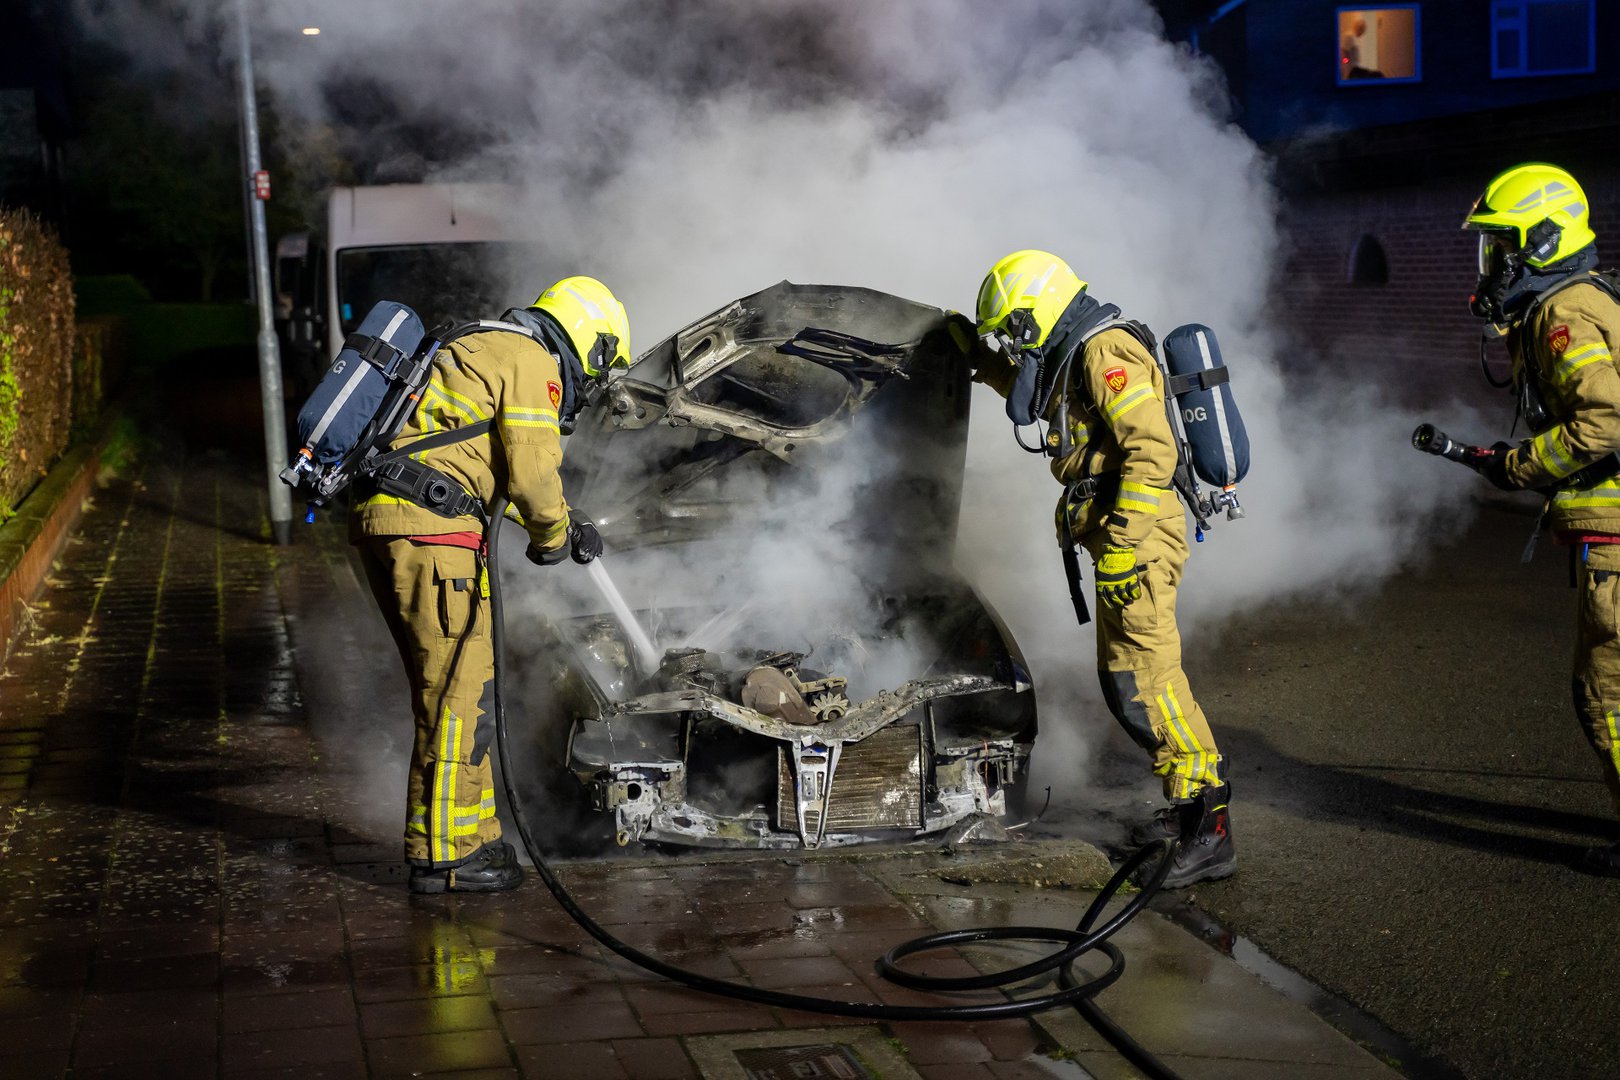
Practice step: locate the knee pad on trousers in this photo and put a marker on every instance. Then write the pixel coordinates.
(1120, 694)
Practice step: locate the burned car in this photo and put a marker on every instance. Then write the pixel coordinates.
(777, 650)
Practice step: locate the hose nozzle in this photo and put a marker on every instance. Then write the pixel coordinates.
(1431, 440)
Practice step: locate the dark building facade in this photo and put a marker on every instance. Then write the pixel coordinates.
(35, 117)
(1385, 122)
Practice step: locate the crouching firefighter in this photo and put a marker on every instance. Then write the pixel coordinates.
(490, 423)
(1539, 286)
(1060, 357)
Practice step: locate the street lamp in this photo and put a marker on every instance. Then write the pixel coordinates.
(270, 394)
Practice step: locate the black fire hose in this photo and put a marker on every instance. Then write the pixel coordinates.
(1082, 939)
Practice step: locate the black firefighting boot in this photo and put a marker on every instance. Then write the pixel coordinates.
(1165, 824)
(1204, 851)
(1604, 861)
(492, 868)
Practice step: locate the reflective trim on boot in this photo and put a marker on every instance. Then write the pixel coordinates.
(492, 868)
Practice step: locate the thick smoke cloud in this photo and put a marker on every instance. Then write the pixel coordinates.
(690, 153)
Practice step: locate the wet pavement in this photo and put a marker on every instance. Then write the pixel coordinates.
(200, 876)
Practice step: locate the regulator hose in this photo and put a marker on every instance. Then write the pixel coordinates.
(1085, 937)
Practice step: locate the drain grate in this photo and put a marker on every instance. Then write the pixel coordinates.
(828, 1061)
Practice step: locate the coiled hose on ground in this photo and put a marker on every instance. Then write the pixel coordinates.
(1085, 937)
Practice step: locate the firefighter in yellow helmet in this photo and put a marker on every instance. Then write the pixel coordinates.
(1063, 359)
(1538, 284)
(422, 535)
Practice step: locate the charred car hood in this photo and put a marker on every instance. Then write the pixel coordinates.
(783, 374)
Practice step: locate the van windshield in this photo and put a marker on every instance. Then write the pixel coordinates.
(458, 282)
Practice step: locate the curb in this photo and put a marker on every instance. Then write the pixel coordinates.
(31, 540)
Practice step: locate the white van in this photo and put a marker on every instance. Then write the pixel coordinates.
(454, 251)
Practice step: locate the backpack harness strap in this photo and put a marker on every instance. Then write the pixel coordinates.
(1207, 379)
(394, 473)
(382, 355)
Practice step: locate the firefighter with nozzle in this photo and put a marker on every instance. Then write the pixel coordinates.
(1065, 360)
(523, 382)
(1540, 288)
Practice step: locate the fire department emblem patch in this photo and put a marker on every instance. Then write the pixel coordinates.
(1558, 338)
(554, 392)
(1115, 378)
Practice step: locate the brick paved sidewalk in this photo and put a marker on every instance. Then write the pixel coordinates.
(199, 869)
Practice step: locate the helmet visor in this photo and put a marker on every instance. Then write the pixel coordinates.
(1494, 250)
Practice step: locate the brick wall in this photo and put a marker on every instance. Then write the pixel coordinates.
(1414, 332)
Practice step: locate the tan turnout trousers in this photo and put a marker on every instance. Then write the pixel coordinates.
(434, 599)
(1597, 659)
(1139, 666)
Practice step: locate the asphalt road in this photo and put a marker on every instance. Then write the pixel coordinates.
(1410, 789)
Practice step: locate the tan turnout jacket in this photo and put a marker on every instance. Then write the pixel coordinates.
(1569, 343)
(492, 374)
(1117, 424)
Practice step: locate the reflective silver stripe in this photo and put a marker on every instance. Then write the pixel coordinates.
(1543, 194)
(1228, 453)
(1038, 285)
(496, 324)
(353, 381)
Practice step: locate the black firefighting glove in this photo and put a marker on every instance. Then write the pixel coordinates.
(1493, 467)
(584, 542)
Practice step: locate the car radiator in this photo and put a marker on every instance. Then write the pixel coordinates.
(878, 784)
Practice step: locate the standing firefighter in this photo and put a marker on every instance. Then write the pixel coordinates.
(1060, 357)
(1539, 285)
(427, 565)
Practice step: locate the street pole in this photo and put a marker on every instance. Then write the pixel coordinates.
(270, 396)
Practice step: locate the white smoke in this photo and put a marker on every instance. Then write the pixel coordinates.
(691, 153)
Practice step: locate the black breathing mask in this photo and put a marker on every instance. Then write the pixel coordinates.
(1015, 341)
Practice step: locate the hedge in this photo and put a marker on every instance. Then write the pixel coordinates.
(50, 381)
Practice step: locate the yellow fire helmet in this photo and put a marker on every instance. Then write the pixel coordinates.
(1037, 283)
(593, 319)
(1536, 211)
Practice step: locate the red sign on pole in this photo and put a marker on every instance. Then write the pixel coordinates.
(261, 185)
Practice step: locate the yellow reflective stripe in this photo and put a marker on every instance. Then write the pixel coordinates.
(1128, 401)
(1606, 493)
(528, 414)
(1194, 766)
(514, 420)
(482, 812)
(1614, 738)
(445, 775)
(1579, 358)
(1548, 448)
(438, 403)
(461, 402)
(1127, 502)
(1135, 496)
(556, 531)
